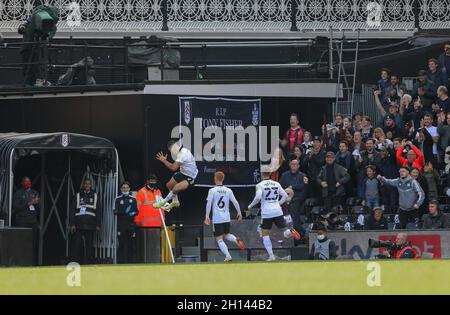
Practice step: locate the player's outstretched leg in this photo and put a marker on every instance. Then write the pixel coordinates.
(291, 232)
(170, 185)
(268, 245)
(223, 248)
(232, 238)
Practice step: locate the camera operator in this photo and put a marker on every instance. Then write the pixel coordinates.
(401, 249)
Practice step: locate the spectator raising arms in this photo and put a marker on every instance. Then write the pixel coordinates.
(414, 158)
(411, 195)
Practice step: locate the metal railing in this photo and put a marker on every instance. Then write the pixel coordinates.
(125, 70)
(212, 16)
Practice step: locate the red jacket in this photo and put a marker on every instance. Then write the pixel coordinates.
(418, 162)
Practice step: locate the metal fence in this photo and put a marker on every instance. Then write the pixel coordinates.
(142, 16)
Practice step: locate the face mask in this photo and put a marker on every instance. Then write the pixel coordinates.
(26, 185)
(321, 237)
(126, 193)
(150, 186)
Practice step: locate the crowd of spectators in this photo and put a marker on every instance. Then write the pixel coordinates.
(398, 165)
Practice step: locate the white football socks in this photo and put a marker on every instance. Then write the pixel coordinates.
(230, 237)
(223, 248)
(268, 245)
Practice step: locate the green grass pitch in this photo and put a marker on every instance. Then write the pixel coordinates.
(295, 277)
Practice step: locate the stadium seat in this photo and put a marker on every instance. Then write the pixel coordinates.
(444, 208)
(338, 209)
(360, 210)
(311, 202)
(317, 210)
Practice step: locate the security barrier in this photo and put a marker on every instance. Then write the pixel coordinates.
(354, 244)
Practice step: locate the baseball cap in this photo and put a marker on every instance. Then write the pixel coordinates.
(389, 116)
(317, 138)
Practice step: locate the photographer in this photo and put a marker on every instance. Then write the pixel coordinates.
(401, 249)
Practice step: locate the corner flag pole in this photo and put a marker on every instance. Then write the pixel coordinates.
(167, 235)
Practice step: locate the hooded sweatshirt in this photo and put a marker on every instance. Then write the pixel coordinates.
(409, 191)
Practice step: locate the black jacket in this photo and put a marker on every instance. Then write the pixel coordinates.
(297, 183)
(372, 224)
(25, 216)
(440, 221)
(125, 207)
(91, 217)
(315, 163)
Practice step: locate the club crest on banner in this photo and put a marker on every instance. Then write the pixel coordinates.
(187, 112)
(255, 116)
(65, 140)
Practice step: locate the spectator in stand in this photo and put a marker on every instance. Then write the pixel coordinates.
(391, 129)
(371, 188)
(432, 130)
(345, 159)
(436, 110)
(414, 157)
(424, 142)
(435, 74)
(293, 136)
(396, 85)
(377, 221)
(389, 169)
(380, 139)
(332, 178)
(307, 143)
(414, 114)
(338, 121)
(348, 126)
(316, 159)
(357, 144)
(425, 89)
(383, 84)
(411, 195)
(405, 103)
(295, 184)
(396, 143)
(366, 158)
(444, 130)
(366, 127)
(301, 158)
(435, 219)
(415, 174)
(444, 61)
(432, 178)
(392, 109)
(357, 121)
(442, 98)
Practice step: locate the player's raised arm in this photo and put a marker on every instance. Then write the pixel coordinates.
(163, 158)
